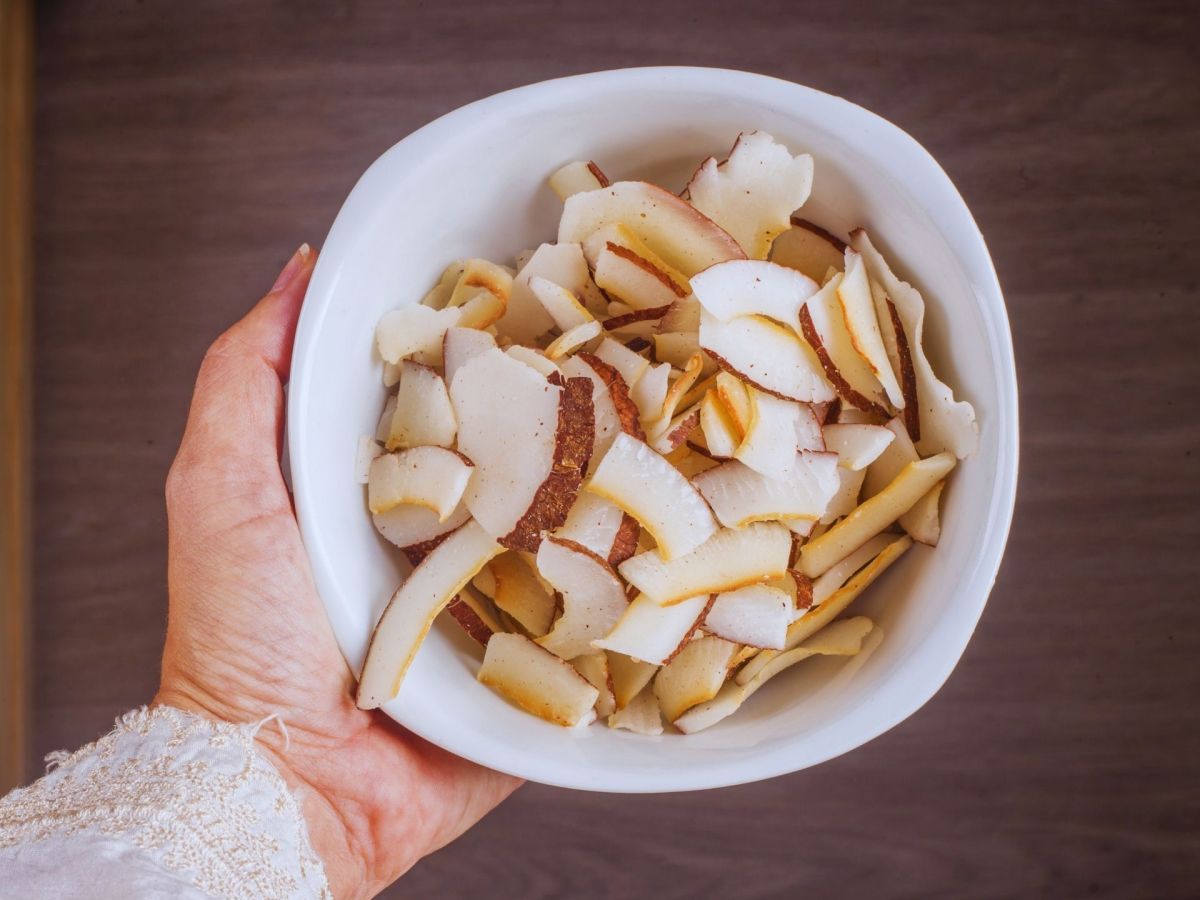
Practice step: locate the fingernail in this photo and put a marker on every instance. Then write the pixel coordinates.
(299, 258)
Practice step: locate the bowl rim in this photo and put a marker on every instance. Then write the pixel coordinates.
(999, 515)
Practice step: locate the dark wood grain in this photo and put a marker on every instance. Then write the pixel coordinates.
(16, 387)
(186, 149)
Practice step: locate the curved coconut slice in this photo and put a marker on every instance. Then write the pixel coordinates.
(677, 431)
(631, 366)
(675, 230)
(481, 293)
(895, 341)
(735, 396)
(845, 499)
(747, 287)
(439, 295)
(432, 477)
(638, 322)
(739, 495)
(922, 520)
(516, 590)
(414, 329)
(412, 609)
(828, 584)
(914, 481)
(720, 432)
(650, 392)
(678, 389)
(525, 319)
(594, 667)
(423, 415)
(857, 446)
(629, 678)
(576, 178)
(769, 444)
(365, 451)
(684, 315)
(769, 356)
(693, 676)
(810, 249)
(621, 236)
(570, 341)
(607, 420)
(563, 306)
(690, 462)
(756, 615)
(537, 681)
(462, 344)
(808, 430)
(824, 328)
(728, 560)
(859, 316)
(676, 347)
(753, 193)
(825, 612)
(530, 440)
(593, 596)
(641, 715)
(410, 527)
(474, 615)
(624, 274)
(534, 359)
(843, 639)
(653, 491)
(654, 634)
(945, 424)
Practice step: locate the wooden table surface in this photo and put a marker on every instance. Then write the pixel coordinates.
(185, 149)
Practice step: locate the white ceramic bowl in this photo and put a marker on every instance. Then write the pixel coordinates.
(473, 184)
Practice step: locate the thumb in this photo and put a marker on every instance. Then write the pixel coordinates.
(234, 428)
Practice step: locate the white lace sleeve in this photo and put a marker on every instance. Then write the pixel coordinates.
(169, 804)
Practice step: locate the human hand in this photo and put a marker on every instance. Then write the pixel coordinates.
(247, 636)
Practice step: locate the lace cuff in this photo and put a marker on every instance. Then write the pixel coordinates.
(190, 794)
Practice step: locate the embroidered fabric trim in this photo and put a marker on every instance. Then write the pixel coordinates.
(193, 794)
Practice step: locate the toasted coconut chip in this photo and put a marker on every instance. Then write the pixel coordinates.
(653, 633)
(462, 344)
(678, 389)
(757, 615)
(650, 392)
(824, 327)
(770, 357)
(828, 584)
(857, 446)
(769, 444)
(439, 294)
(641, 715)
(576, 178)
(411, 611)
(808, 430)
(618, 387)
(570, 341)
(526, 476)
(414, 527)
(693, 676)
(844, 639)
(859, 317)
(921, 522)
(625, 274)
(525, 319)
(676, 433)
(739, 495)
(689, 462)
(365, 451)
(535, 359)
(630, 365)
(753, 193)
(808, 248)
(537, 681)
(411, 329)
(475, 615)
(676, 231)
(825, 611)
(423, 414)
(634, 316)
(728, 560)
(914, 481)
(845, 499)
(593, 522)
(684, 316)
(651, 490)
(562, 305)
(516, 590)
(593, 596)
(696, 392)
(891, 329)
(626, 542)
(624, 238)
(614, 410)
(720, 432)
(432, 477)
(945, 424)
(480, 275)
(594, 667)
(735, 397)
(629, 677)
(480, 311)
(746, 287)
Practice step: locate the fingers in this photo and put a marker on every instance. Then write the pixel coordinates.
(234, 427)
